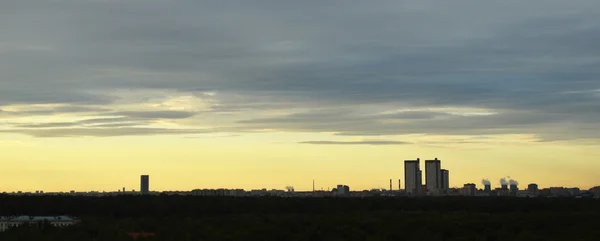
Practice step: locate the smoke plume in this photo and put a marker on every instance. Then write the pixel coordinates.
(513, 182)
(503, 181)
(486, 182)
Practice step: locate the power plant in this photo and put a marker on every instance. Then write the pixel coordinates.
(487, 185)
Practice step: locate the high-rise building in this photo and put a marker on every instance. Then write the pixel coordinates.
(445, 177)
(145, 185)
(433, 175)
(412, 176)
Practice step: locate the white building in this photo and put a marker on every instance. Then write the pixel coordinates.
(412, 179)
(433, 176)
(16, 221)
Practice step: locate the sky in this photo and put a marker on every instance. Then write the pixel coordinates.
(276, 93)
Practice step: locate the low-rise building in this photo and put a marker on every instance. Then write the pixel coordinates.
(469, 189)
(596, 191)
(342, 190)
(501, 192)
(16, 221)
(573, 191)
(525, 193)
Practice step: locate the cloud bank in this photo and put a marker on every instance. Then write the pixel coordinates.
(387, 67)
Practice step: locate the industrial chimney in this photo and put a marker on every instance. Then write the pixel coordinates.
(514, 185)
(504, 184)
(487, 185)
(488, 188)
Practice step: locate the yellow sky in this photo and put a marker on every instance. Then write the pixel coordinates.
(276, 160)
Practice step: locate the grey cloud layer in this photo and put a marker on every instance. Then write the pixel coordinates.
(104, 132)
(534, 62)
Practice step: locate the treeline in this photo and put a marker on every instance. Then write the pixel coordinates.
(189, 206)
(179, 218)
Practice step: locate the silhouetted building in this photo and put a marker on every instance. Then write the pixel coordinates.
(595, 191)
(423, 189)
(533, 189)
(573, 191)
(469, 189)
(342, 190)
(558, 192)
(412, 176)
(219, 192)
(514, 188)
(445, 180)
(145, 184)
(501, 192)
(420, 179)
(433, 179)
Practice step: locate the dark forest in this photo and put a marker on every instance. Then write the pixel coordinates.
(183, 218)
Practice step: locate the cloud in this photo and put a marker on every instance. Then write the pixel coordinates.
(103, 120)
(374, 142)
(47, 125)
(341, 68)
(415, 115)
(36, 110)
(94, 122)
(104, 132)
(164, 114)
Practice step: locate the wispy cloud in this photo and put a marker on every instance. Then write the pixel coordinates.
(105, 132)
(163, 114)
(381, 142)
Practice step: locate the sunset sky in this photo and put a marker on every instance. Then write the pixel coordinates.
(273, 93)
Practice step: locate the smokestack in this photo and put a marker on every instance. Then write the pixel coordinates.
(514, 185)
(487, 185)
(399, 186)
